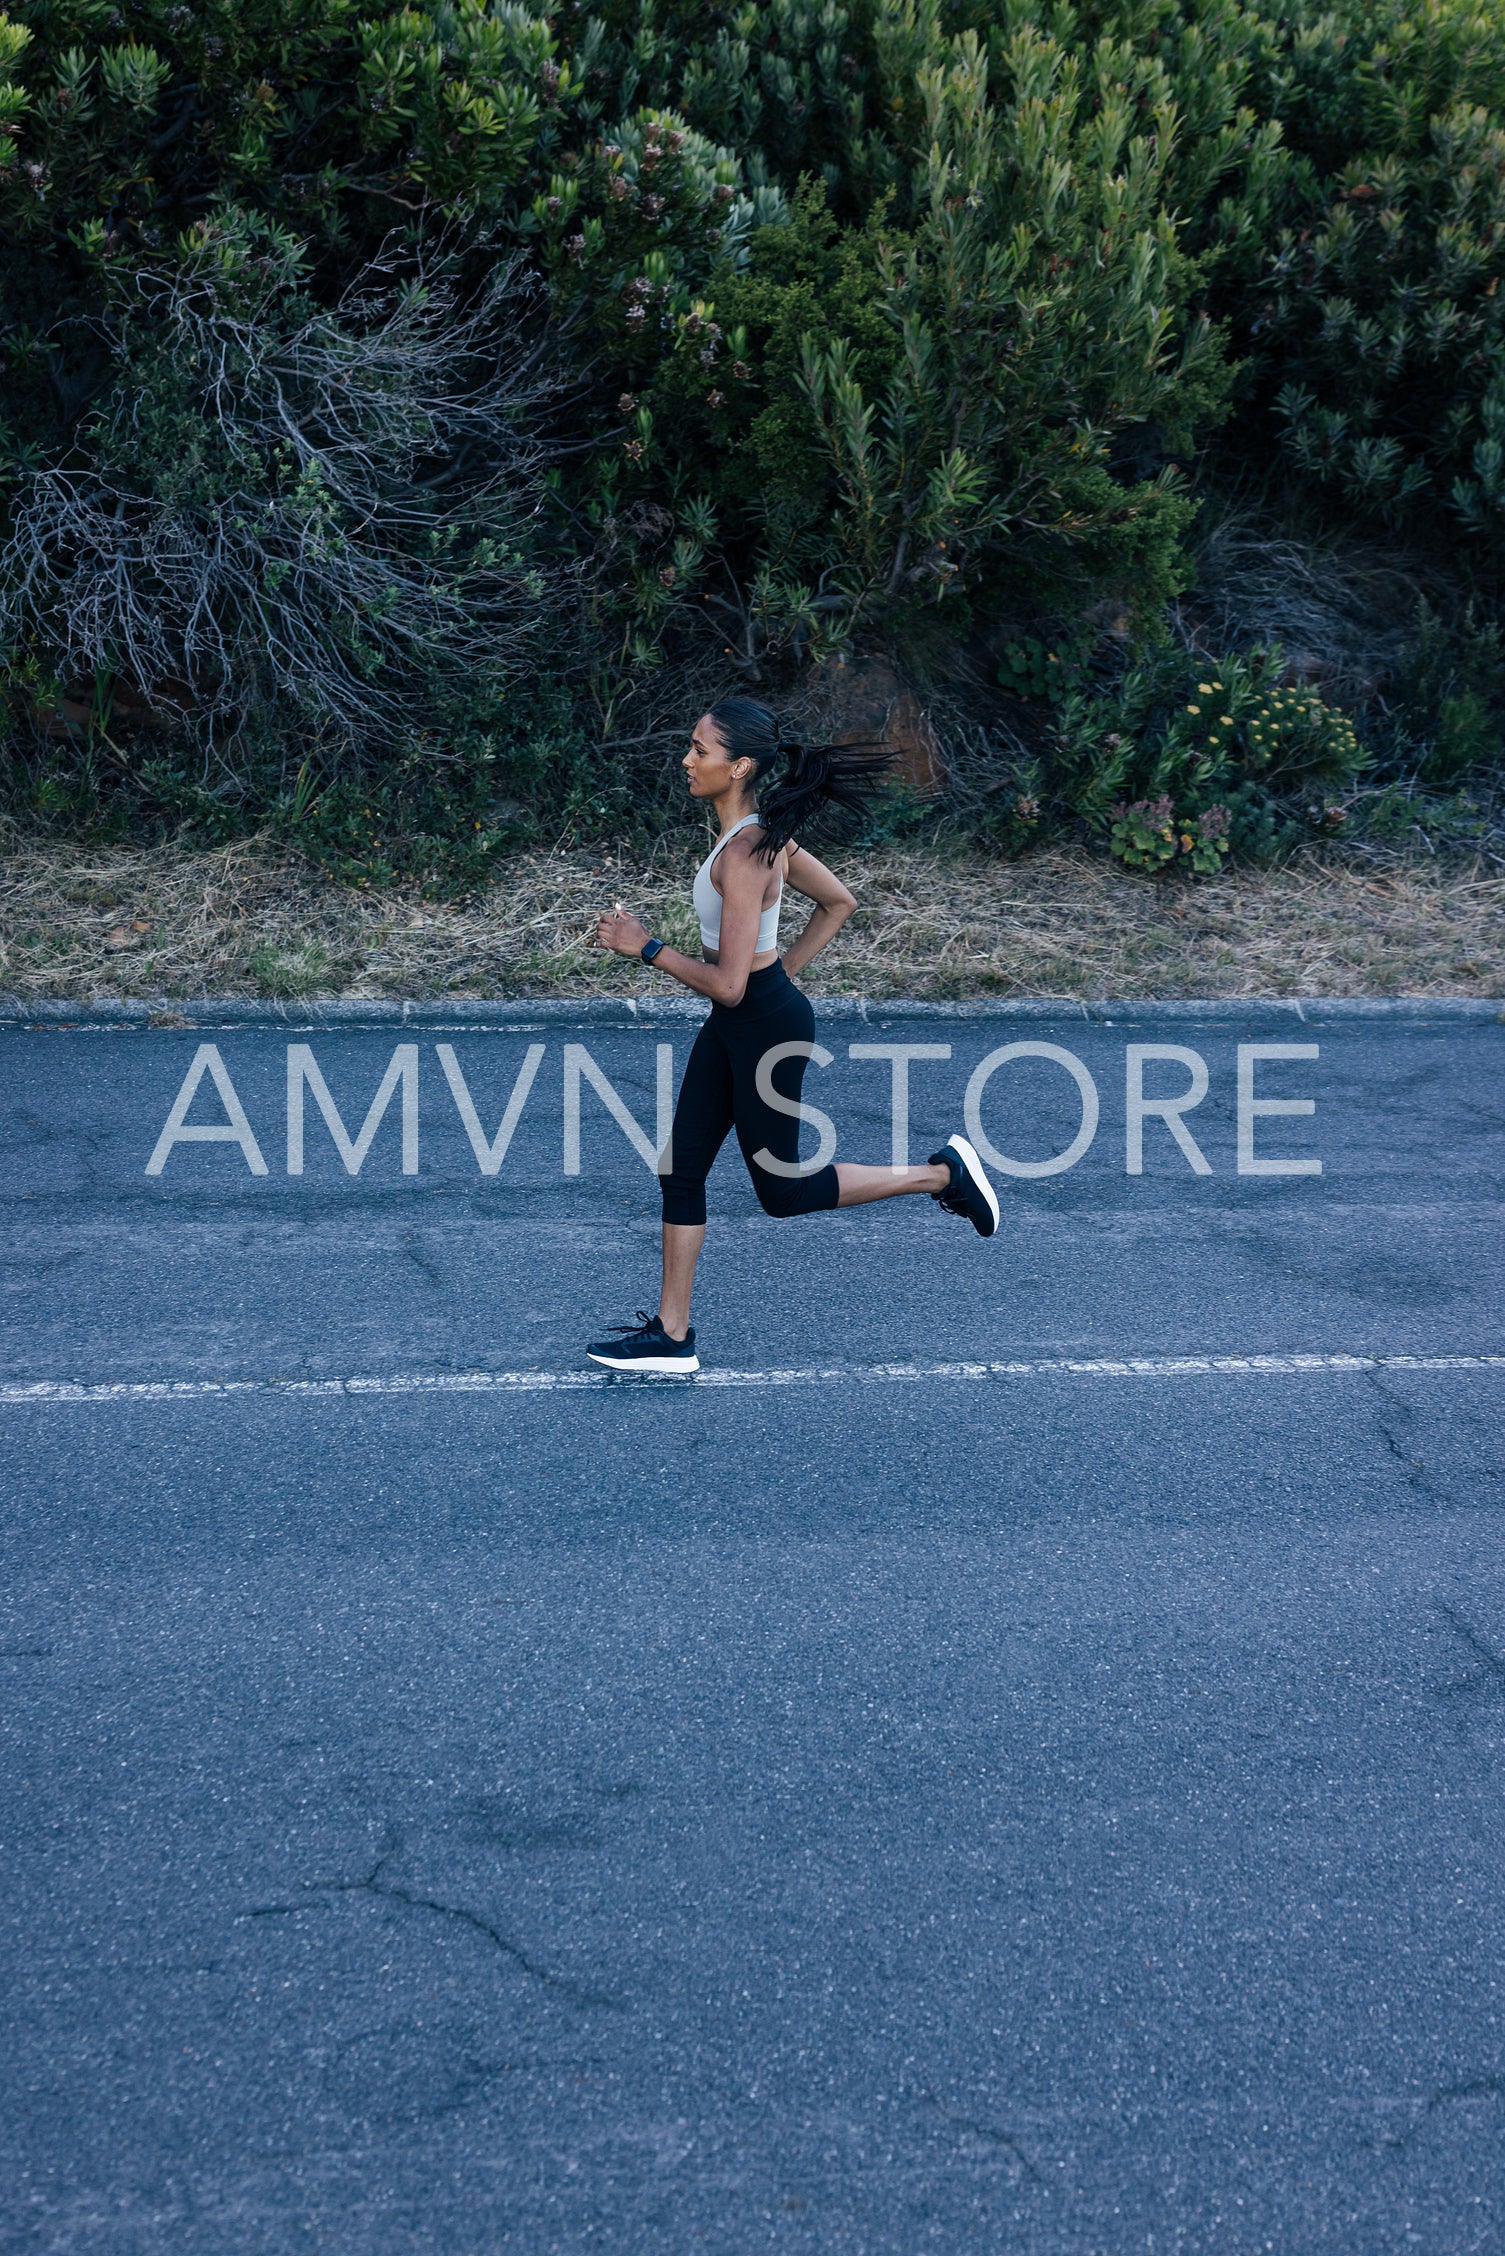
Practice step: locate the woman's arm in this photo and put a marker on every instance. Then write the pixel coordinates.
(833, 905)
(743, 884)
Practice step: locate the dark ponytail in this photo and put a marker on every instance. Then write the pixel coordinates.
(799, 781)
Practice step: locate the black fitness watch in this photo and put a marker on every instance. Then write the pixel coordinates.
(650, 949)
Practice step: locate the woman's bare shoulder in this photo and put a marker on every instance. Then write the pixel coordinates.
(742, 852)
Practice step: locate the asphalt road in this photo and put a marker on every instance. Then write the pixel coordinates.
(930, 1786)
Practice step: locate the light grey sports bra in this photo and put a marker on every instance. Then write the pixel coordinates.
(708, 900)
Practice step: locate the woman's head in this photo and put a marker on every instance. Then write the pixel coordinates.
(730, 747)
(739, 745)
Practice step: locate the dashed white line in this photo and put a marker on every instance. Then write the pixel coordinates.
(22, 1391)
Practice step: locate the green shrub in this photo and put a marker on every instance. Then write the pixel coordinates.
(831, 325)
(1188, 763)
(1029, 668)
(1374, 325)
(1281, 735)
(1450, 694)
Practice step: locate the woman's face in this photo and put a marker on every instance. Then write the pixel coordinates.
(708, 765)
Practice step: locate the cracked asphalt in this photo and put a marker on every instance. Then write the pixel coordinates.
(1055, 1814)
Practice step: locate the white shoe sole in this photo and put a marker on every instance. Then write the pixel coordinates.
(657, 1366)
(974, 1168)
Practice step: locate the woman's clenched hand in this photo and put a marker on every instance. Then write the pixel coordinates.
(628, 935)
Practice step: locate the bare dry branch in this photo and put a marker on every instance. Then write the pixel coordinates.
(293, 508)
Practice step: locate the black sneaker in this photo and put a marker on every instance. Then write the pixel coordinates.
(646, 1346)
(969, 1192)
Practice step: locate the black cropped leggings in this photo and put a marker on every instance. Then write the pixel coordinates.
(720, 1092)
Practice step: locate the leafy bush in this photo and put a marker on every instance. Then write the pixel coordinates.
(362, 370)
(1039, 303)
(1385, 308)
(1374, 325)
(1031, 669)
(1186, 766)
(1450, 688)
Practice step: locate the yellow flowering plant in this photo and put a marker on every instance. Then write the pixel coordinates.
(1190, 761)
(1247, 714)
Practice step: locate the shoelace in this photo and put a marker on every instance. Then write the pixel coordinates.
(645, 1323)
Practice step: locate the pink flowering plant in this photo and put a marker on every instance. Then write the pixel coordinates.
(1149, 835)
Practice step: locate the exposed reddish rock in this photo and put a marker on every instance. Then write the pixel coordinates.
(861, 698)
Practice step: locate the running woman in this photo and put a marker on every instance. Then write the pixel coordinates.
(757, 1039)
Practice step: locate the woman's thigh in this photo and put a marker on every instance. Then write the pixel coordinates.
(760, 1125)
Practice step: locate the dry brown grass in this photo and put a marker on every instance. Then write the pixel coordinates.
(90, 924)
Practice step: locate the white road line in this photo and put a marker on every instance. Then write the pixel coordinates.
(18, 1391)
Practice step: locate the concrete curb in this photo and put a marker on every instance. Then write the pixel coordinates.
(18, 1014)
